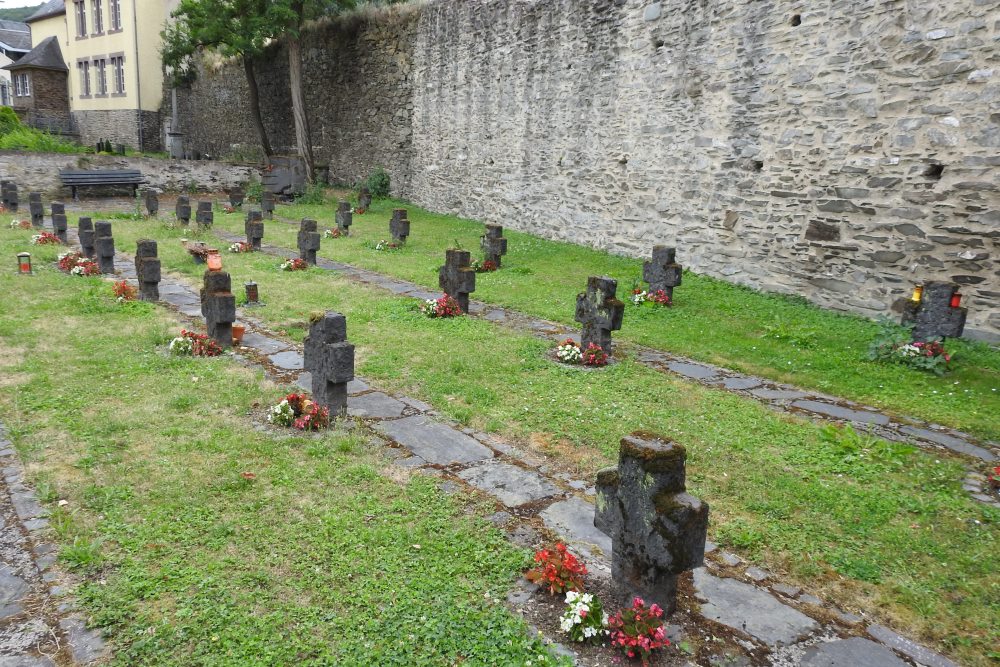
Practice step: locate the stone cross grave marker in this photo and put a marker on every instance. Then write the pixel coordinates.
(308, 240)
(493, 243)
(218, 305)
(57, 208)
(662, 272)
(152, 201)
(236, 197)
(329, 358)
(104, 246)
(399, 226)
(183, 210)
(8, 192)
(147, 270)
(344, 217)
(934, 316)
(204, 216)
(85, 229)
(254, 228)
(457, 277)
(657, 530)
(59, 226)
(364, 198)
(36, 209)
(267, 204)
(600, 312)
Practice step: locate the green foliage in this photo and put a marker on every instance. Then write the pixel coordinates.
(18, 13)
(29, 139)
(254, 189)
(378, 183)
(893, 345)
(314, 194)
(8, 120)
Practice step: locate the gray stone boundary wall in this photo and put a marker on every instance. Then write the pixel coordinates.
(839, 149)
(40, 172)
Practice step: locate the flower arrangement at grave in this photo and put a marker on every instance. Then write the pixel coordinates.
(20, 224)
(334, 233)
(68, 260)
(446, 306)
(385, 246)
(594, 355)
(557, 569)
(569, 352)
(300, 412)
(894, 346)
(584, 618)
(294, 264)
(46, 238)
(75, 264)
(197, 249)
(993, 478)
(194, 344)
(485, 266)
(653, 298)
(358, 210)
(638, 631)
(123, 291)
(241, 246)
(228, 208)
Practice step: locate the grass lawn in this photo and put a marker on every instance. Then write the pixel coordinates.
(876, 526)
(779, 337)
(188, 563)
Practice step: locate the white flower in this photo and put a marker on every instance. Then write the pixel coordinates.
(587, 598)
(571, 597)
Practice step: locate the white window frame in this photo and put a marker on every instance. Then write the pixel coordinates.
(80, 12)
(98, 16)
(115, 10)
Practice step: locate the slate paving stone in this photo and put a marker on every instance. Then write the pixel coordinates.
(909, 648)
(26, 661)
(951, 442)
(9, 610)
(778, 394)
(304, 381)
(695, 371)
(85, 645)
(574, 518)
(810, 599)
(356, 386)
(263, 343)
(291, 360)
(512, 485)
(375, 405)
(840, 412)
(191, 311)
(741, 382)
(732, 560)
(27, 506)
(853, 652)
(757, 574)
(746, 608)
(785, 589)
(432, 441)
(495, 315)
(12, 587)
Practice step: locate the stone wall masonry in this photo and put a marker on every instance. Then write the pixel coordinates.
(841, 150)
(40, 171)
(120, 126)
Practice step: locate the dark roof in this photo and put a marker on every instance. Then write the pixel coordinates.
(50, 8)
(47, 55)
(15, 35)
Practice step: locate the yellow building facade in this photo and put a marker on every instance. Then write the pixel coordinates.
(112, 53)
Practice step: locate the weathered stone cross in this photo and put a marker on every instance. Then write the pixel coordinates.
(152, 201)
(309, 240)
(85, 229)
(399, 226)
(36, 209)
(8, 191)
(104, 247)
(493, 243)
(364, 198)
(183, 210)
(204, 215)
(59, 225)
(599, 312)
(236, 197)
(267, 204)
(147, 270)
(344, 217)
(933, 316)
(457, 277)
(329, 358)
(254, 228)
(657, 529)
(662, 272)
(218, 305)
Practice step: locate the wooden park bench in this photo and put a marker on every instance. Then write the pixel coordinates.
(76, 178)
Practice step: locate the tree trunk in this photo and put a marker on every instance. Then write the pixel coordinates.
(299, 106)
(258, 119)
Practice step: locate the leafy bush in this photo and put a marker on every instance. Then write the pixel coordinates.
(378, 183)
(892, 345)
(254, 190)
(314, 194)
(29, 139)
(8, 120)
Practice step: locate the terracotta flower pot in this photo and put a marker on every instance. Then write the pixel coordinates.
(238, 331)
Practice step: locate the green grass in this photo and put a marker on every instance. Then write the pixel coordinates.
(779, 337)
(187, 563)
(30, 139)
(879, 526)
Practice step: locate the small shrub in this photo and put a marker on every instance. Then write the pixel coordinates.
(557, 569)
(314, 194)
(30, 139)
(254, 189)
(892, 345)
(378, 183)
(638, 631)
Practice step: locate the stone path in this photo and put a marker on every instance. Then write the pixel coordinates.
(37, 627)
(790, 626)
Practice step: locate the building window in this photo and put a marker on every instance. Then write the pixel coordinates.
(101, 74)
(118, 63)
(115, 6)
(22, 85)
(84, 68)
(98, 12)
(80, 11)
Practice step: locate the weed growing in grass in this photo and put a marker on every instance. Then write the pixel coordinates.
(82, 554)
